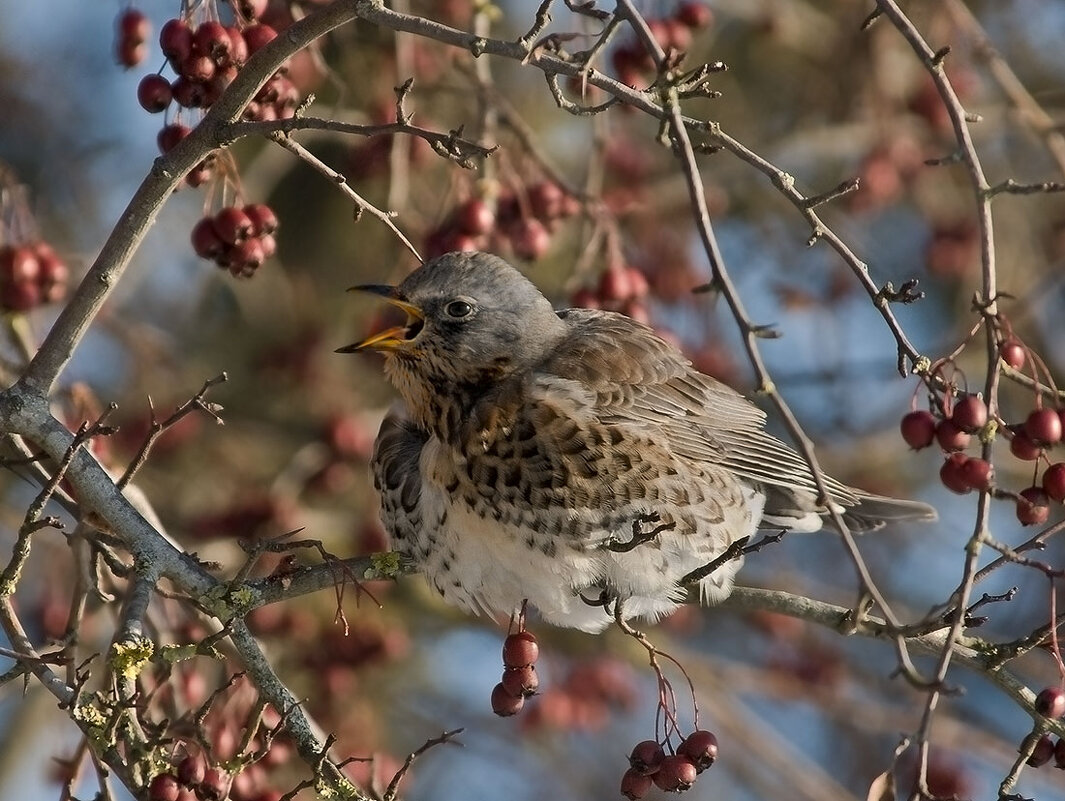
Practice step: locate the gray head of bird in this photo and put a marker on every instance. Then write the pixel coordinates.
(472, 321)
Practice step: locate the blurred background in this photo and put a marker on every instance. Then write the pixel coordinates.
(800, 711)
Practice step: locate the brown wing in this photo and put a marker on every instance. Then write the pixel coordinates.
(640, 380)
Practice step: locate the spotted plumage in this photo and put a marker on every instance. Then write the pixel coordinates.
(529, 442)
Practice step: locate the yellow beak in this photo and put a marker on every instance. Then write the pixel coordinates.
(390, 338)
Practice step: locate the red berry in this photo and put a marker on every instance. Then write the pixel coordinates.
(133, 26)
(233, 225)
(1059, 753)
(520, 649)
(251, 9)
(676, 775)
(189, 93)
(950, 437)
(170, 135)
(646, 757)
(521, 680)
(529, 238)
(1043, 426)
(175, 40)
(130, 54)
(191, 770)
(249, 254)
(615, 284)
(1050, 702)
(19, 265)
(1012, 353)
(634, 785)
(205, 239)
(238, 48)
(164, 787)
(476, 217)
(262, 217)
(918, 429)
(504, 704)
(952, 474)
(153, 93)
(215, 785)
(969, 413)
(694, 14)
(19, 297)
(1033, 506)
(257, 36)
(1043, 752)
(197, 67)
(269, 245)
(678, 35)
(53, 275)
(1054, 481)
(545, 199)
(977, 473)
(701, 748)
(212, 39)
(1022, 447)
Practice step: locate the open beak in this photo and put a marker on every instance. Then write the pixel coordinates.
(391, 338)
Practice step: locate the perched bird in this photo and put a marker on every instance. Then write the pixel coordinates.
(534, 445)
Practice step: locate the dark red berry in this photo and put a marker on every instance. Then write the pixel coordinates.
(238, 49)
(635, 785)
(1054, 481)
(1012, 353)
(1042, 753)
(133, 26)
(521, 680)
(257, 36)
(545, 199)
(130, 54)
(153, 93)
(19, 265)
(950, 437)
(262, 217)
(1033, 506)
(213, 40)
(205, 239)
(918, 429)
(269, 245)
(520, 649)
(504, 704)
(249, 253)
(676, 775)
(1043, 426)
(476, 217)
(164, 787)
(215, 785)
(170, 135)
(1059, 753)
(189, 93)
(977, 473)
(529, 238)
(646, 757)
(191, 770)
(1022, 447)
(197, 67)
(251, 9)
(952, 474)
(694, 14)
(175, 40)
(1050, 702)
(53, 274)
(233, 225)
(969, 413)
(701, 748)
(200, 174)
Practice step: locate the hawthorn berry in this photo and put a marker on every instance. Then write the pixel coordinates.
(1059, 753)
(233, 225)
(205, 240)
(635, 785)
(694, 14)
(164, 787)
(191, 770)
(918, 429)
(646, 757)
(1054, 481)
(1033, 507)
(520, 649)
(213, 40)
(215, 785)
(969, 413)
(251, 9)
(238, 46)
(700, 747)
(1043, 752)
(546, 200)
(676, 774)
(154, 93)
(175, 40)
(1043, 426)
(262, 217)
(521, 680)
(977, 473)
(1022, 446)
(504, 704)
(952, 474)
(1012, 353)
(476, 217)
(950, 436)
(1050, 702)
(529, 238)
(257, 36)
(170, 135)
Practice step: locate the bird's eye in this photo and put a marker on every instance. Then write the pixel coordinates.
(458, 308)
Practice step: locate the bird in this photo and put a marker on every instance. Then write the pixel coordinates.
(572, 460)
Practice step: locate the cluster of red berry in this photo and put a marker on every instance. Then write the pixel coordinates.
(191, 781)
(622, 288)
(31, 274)
(522, 222)
(961, 473)
(237, 239)
(650, 764)
(520, 651)
(1050, 703)
(631, 60)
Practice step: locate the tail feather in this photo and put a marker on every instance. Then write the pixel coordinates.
(861, 511)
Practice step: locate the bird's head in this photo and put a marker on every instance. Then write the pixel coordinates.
(472, 321)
